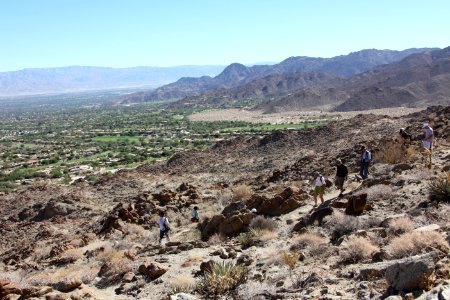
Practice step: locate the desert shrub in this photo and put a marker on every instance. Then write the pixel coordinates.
(415, 242)
(263, 223)
(400, 225)
(342, 224)
(440, 189)
(115, 264)
(223, 277)
(182, 284)
(357, 249)
(252, 289)
(392, 153)
(313, 243)
(290, 259)
(217, 238)
(379, 192)
(242, 192)
(247, 239)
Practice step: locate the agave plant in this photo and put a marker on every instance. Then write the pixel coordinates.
(223, 277)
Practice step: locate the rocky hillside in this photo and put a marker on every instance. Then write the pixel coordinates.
(237, 74)
(387, 237)
(420, 79)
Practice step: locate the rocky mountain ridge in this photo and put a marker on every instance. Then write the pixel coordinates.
(81, 78)
(237, 74)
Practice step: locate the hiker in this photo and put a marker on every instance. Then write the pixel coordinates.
(164, 228)
(429, 136)
(319, 188)
(254, 211)
(195, 217)
(428, 142)
(366, 157)
(341, 176)
(405, 136)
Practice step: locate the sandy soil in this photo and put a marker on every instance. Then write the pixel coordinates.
(235, 114)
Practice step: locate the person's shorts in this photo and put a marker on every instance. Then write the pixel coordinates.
(339, 181)
(319, 190)
(427, 144)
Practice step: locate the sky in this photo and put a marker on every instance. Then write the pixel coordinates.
(129, 33)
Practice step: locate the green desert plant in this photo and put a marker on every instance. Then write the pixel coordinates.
(440, 189)
(223, 277)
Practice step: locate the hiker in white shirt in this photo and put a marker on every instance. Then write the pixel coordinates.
(429, 136)
(164, 228)
(319, 188)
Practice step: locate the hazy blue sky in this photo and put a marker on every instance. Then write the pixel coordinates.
(125, 33)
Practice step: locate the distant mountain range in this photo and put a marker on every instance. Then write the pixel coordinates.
(267, 77)
(78, 78)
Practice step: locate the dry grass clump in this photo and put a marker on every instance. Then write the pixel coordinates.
(440, 189)
(252, 289)
(415, 242)
(115, 263)
(290, 259)
(262, 223)
(379, 192)
(255, 236)
(358, 249)
(223, 277)
(393, 153)
(314, 243)
(182, 284)
(241, 192)
(217, 239)
(192, 258)
(400, 225)
(342, 224)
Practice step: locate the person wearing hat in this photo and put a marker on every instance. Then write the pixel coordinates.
(429, 136)
(366, 158)
(341, 176)
(405, 136)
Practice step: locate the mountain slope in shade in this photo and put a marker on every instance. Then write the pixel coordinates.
(270, 86)
(77, 78)
(237, 74)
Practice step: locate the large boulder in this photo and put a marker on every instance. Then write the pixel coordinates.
(411, 274)
(8, 287)
(282, 203)
(152, 269)
(356, 204)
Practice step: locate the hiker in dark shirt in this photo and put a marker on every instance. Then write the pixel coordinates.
(405, 136)
(341, 176)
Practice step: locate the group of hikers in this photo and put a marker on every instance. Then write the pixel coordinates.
(320, 183)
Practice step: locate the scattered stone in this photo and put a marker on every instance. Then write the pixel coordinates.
(128, 277)
(401, 167)
(152, 269)
(8, 287)
(411, 274)
(67, 284)
(183, 296)
(206, 266)
(431, 227)
(245, 260)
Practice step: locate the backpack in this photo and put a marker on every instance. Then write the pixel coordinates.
(166, 225)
